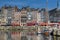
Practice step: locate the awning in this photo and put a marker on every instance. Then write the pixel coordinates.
(31, 23)
(15, 24)
(43, 24)
(47, 24)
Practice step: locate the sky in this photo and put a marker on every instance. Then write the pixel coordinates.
(32, 3)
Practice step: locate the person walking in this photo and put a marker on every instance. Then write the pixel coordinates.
(52, 35)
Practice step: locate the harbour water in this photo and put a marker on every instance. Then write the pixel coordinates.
(28, 34)
(15, 35)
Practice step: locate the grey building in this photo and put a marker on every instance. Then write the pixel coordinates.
(54, 15)
(6, 15)
(9, 16)
(43, 15)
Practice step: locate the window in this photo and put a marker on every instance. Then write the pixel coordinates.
(29, 15)
(29, 18)
(23, 17)
(23, 20)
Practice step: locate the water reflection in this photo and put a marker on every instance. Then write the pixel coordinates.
(9, 35)
(20, 35)
(15, 35)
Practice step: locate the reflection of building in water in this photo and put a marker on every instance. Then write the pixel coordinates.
(24, 38)
(3, 36)
(8, 35)
(33, 37)
(15, 36)
(28, 36)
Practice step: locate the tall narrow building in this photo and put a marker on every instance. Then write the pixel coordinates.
(23, 16)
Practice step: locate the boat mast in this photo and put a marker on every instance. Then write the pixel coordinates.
(47, 15)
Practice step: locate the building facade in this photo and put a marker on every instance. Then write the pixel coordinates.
(22, 17)
(0, 17)
(54, 15)
(16, 19)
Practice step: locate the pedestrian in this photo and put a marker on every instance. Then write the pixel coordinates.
(52, 34)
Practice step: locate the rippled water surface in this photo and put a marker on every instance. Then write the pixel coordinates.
(16, 35)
